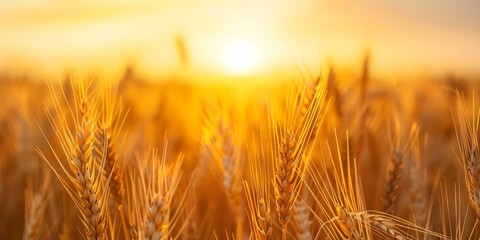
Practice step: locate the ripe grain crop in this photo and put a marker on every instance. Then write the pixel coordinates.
(322, 156)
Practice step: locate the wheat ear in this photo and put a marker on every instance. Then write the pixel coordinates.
(392, 183)
(309, 106)
(78, 146)
(36, 205)
(191, 231)
(232, 182)
(348, 224)
(259, 213)
(35, 210)
(109, 125)
(117, 190)
(82, 165)
(418, 196)
(302, 220)
(467, 137)
(292, 154)
(258, 197)
(287, 179)
(381, 223)
(160, 194)
(224, 151)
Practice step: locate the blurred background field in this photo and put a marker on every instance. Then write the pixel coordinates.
(262, 37)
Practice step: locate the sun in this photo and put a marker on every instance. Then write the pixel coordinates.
(240, 57)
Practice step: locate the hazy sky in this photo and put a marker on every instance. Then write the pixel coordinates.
(409, 35)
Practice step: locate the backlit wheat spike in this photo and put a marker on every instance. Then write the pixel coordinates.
(82, 165)
(218, 134)
(78, 145)
(286, 180)
(382, 224)
(309, 94)
(157, 219)
(264, 220)
(258, 197)
(161, 185)
(301, 216)
(392, 183)
(393, 178)
(33, 222)
(36, 205)
(418, 199)
(467, 137)
(133, 233)
(417, 190)
(35, 209)
(473, 173)
(232, 182)
(348, 224)
(397, 228)
(310, 98)
(385, 225)
(293, 148)
(110, 122)
(337, 192)
(191, 231)
(105, 138)
(351, 222)
(260, 214)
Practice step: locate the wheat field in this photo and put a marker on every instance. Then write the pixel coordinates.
(319, 156)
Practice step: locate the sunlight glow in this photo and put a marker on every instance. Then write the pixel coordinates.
(240, 57)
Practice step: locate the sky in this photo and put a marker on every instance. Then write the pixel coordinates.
(238, 37)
